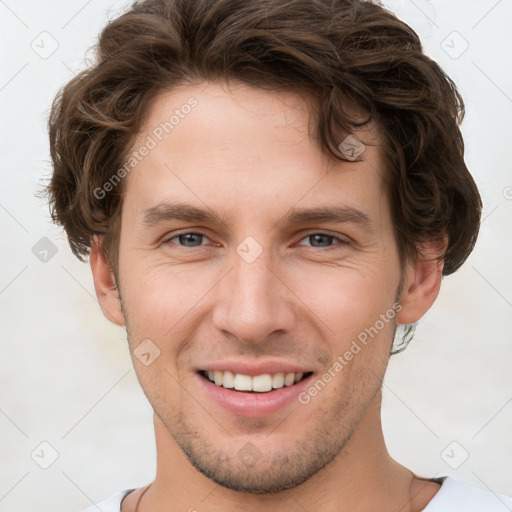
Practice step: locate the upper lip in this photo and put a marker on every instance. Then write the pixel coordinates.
(255, 368)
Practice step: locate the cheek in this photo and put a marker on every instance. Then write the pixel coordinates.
(165, 300)
(160, 296)
(346, 299)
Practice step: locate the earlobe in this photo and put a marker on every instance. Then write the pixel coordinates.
(422, 281)
(104, 284)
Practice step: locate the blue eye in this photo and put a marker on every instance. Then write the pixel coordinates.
(319, 238)
(189, 239)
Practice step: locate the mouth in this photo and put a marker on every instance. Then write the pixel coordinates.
(253, 384)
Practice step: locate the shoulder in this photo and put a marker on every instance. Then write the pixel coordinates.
(112, 504)
(455, 496)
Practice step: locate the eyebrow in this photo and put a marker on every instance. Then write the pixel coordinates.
(177, 211)
(185, 212)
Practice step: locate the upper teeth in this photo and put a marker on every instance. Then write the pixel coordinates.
(259, 383)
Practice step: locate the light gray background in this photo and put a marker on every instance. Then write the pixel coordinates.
(65, 373)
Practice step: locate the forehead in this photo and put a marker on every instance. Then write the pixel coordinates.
(239, 147)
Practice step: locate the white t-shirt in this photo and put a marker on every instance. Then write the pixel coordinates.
(453, 496)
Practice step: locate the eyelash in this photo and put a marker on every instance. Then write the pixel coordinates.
(341, 241)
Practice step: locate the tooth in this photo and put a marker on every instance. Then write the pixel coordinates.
(242, 382)
(262, 383)
(229, 379)
(289, 378)
(259, 383)
(217, 376)
(278, 380)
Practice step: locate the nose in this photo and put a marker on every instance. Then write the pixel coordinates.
(254, 302)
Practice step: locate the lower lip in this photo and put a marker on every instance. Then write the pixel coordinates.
(253, 405)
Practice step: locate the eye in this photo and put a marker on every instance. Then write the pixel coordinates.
(189, 239)
(318, 239)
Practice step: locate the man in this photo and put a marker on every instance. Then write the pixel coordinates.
(269, 192)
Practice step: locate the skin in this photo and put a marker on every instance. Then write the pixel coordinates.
(247, 154)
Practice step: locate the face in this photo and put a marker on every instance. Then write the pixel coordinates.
(247, 256)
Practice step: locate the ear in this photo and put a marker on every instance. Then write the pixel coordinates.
(105, 284)
(422, 281)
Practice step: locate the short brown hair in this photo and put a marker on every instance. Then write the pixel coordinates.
(338, 53)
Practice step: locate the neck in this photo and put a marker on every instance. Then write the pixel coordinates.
(362, 477)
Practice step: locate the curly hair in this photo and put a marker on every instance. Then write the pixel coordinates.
(339, 53)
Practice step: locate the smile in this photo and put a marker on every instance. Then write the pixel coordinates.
(257, 383)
